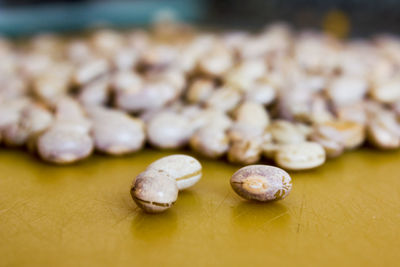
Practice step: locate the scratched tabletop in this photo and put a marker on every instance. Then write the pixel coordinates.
(345, 213)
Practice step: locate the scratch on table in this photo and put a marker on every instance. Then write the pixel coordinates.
(301, 214)
(273, 219)
(222, 201)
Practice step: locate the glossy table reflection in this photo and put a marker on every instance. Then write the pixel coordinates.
(346, 213)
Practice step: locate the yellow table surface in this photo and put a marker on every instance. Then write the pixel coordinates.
(345, 213)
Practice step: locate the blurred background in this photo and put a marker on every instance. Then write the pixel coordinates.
(341, 17)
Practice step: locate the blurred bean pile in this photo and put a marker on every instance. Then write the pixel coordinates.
(295, 98)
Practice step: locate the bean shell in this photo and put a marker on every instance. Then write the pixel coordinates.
(301, 156)
(154, 191)
(261, 183)
(186, 170)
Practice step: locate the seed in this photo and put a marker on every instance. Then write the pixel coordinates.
(64, 146)
(300, 156)
(262, 93)
(210, 141)
(115, 132)
(95, 92)
(216, 62)
(243, 76)
(253, 115)
(34, 119)
(355, 112)
(90, 70)
(225, 99)
(245, 151)
(347, 90)
(261, 183)
(388, 92)
(200, 90)
(210, 117)
(149, 95)
(154, 191)
(285, 132)
(168, 130)
(54, 83)
(67, 140)
(348, 133)
(383, 130)
(186, 170)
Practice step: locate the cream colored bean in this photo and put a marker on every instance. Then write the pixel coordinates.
(33, 119)
(10, 111)
(168, 130)
(332, 147)
(261, 183)
(64, 146)
(347, 90)
(211, 117)
(12, 87)
(349, 134)
(246, 150)
(355, 112)
(300, 156)
(262, 93)
(216, 62)
(54, 83)
(383, 129)
(67, 140)
(154, 191)
(210, 141)
(388, 92)
(243, 76)
(158, 57)
(252, 114)
(285, 132)
(90, 70)
(186, 170)
(95, 92)
(150, 95)
(225, 99)
(125, 59)
(115, 132)
(106, 42)
(200, 90)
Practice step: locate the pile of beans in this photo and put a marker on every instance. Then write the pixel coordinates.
(294, 97)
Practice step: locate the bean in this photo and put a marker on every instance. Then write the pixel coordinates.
(246, 150)
(349, 134)
(285, 132)
(154, 191)
(243, 76)
(33, 119)
(64, 146)
(149, 95)
(300, 156)
(115, 132)
(261, 183)
(168, 130)
(224, 99)
(383, 130)
(200, 90)
(262, 93)
(387, 92)
(340, 93)
(186, 170)
(67, 140)
(90, 70)
(95, 92)
(253, 115)
(209, 141)
(216, 62)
